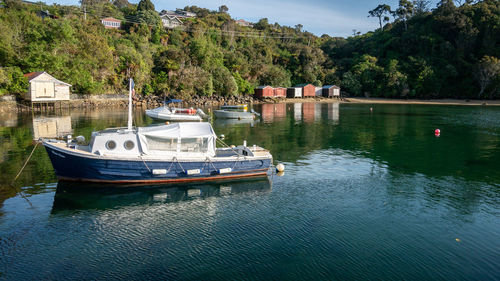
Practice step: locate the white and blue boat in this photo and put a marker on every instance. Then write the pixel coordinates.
(179, 152)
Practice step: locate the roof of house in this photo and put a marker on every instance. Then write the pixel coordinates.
(331, 86)
(303, 85)
(110, 19)
(33, 75)
(263, 87)
(170, 17)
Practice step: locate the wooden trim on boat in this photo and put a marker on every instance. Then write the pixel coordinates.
(257, 173)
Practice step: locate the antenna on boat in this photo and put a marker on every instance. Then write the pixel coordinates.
(130, 90)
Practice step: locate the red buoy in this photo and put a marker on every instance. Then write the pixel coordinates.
(437, 132)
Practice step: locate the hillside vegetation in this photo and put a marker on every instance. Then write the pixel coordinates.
(449, 51)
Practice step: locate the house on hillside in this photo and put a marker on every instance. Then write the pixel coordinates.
(184, 14)
(331, 91)
(111, 23)
(244, 23)
(45, 88)
(170, 21)
(45, 14)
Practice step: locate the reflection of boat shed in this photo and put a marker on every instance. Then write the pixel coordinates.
(294, 92)
(330, 91)
(308, 90)
(264, 92)
(45, 88)
(51, 127)
(280, 92)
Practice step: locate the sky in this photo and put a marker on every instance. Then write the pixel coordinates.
(333, 17)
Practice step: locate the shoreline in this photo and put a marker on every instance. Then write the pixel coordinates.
(95, 102)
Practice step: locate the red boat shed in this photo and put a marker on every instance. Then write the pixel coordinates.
(264, 92)
(280, 92)
(308, 90)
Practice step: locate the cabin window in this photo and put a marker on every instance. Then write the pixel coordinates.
(164, 144)
(194, 145)
(129, 145)
(110, 145)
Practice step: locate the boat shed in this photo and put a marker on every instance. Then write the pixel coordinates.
(294, 92)
(308, 90)
(43, 87)
(264, 92)
(280, 92)
(318, 91)
(330, 91)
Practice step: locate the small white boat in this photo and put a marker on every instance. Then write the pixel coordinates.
(235, 112)
(167, 113)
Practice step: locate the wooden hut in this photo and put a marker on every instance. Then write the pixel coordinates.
(318, 91)
(264, 92)
(308, 90)
(280, 92)
(330, 91)
(45, 88)
(294, 92)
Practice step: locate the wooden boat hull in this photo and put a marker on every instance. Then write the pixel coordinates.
(76, 167)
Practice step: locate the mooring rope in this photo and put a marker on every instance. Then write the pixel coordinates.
(25, 163)
(19, 173)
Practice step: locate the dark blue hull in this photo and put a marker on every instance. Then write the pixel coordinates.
(69, 166)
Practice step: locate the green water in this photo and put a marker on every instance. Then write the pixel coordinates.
(367, 194)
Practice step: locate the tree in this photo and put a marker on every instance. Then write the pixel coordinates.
(379, 11)
(404, 11)
(488, 69)
(121, 3)
(223, 9)
(145, 5)
(421, 6)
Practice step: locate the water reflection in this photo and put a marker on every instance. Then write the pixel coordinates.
(272, 111)
(82, 196)
(235, 122)
(51, 127)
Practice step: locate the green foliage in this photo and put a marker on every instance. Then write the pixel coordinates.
(145, 5)
(12, 81)
(449, 52)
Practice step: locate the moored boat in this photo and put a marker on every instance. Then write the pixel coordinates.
(167, 113)
(235, 112)
(179, 152)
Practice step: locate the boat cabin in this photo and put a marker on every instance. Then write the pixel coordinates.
(179, 139)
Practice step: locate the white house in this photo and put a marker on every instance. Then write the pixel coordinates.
(170, 21)
(45, 88)
(111, 22)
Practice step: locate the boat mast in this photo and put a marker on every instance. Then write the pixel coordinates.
(130, 105)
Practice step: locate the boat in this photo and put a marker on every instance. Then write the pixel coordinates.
(235, 112)
(178, 152)
(168, 113)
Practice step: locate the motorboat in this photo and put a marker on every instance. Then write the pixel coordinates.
(171, 113)
(235, 112)
(178, 152)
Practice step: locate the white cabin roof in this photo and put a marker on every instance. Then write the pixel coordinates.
(179, 130)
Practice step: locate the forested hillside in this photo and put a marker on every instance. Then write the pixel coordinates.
(447, 51)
